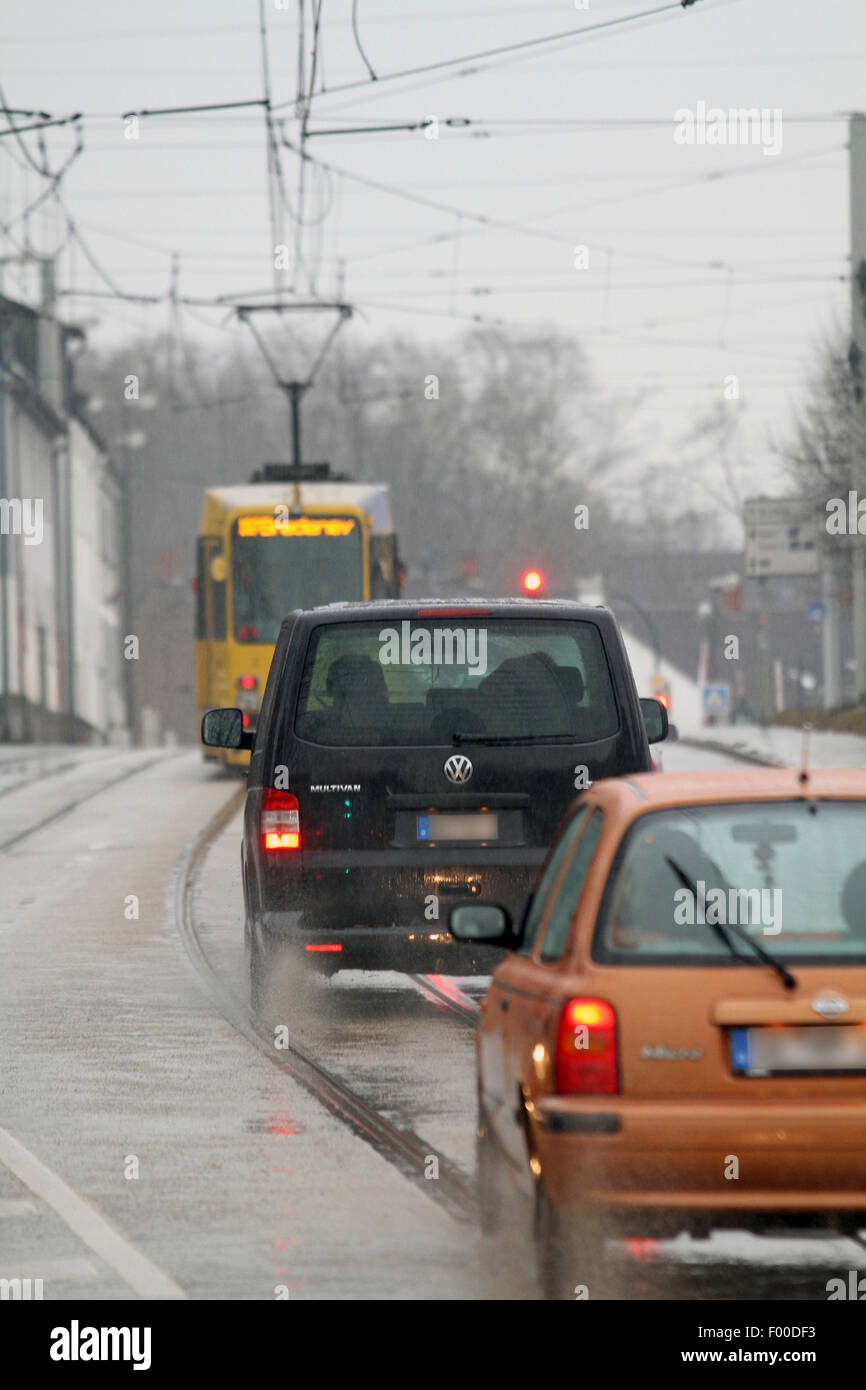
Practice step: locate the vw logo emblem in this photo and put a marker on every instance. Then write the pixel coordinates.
(458, 768)
(830, 1005)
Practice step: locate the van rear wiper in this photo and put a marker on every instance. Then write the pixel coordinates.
(516, 738)
(764, 955)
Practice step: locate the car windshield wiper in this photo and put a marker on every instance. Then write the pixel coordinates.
(772, 961)
(515, 738)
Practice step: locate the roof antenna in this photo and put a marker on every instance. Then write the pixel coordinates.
(804, 759)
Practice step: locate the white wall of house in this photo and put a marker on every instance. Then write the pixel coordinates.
(62, 589)
(34, 672)
(95, 506)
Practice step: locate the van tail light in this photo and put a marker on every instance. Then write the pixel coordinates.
(586, 1049)
(280, 821)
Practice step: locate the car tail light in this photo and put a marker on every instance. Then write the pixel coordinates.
(280, 821)
(247, 682)
(586, 1049)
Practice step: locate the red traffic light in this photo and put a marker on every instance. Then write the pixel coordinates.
(533, 581)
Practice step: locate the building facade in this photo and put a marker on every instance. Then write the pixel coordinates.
(61, 605)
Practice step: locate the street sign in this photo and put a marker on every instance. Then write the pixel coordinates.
(781, 537)
(817, 612)
(716, 700)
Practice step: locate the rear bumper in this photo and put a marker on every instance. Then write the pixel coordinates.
(398, 886)
(426, 949)
(733, 1160)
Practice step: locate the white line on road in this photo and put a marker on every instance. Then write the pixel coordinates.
(135, 1269)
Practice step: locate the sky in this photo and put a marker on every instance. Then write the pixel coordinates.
(697, 262)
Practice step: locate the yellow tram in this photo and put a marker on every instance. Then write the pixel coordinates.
(290, 538)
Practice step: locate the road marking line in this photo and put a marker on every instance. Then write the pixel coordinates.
(135, 1269)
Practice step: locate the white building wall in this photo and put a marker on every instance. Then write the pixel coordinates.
(61, 588)
(32, 603)
(95, 525)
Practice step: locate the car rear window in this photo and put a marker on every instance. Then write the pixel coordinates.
(792, 875)
(420, 681)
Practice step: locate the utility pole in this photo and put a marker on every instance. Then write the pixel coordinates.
(831, 646)
(765, 673)
(857, 358)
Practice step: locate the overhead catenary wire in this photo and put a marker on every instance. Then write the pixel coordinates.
(714, 175)
(358, 45)
(487, 222)
(540, 124)
(40, 125)
(191, 110)
(502, 50)
(459, 215)
(477, 317)
(54, 180)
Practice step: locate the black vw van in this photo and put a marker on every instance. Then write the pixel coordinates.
(410, 754)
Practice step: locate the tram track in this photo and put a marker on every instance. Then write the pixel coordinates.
(131, 770)
(416, 1158)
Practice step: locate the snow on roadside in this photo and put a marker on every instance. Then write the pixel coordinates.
(784, 745)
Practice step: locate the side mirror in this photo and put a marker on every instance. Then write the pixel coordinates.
(224, 728)
(655, 718)
(487, 922)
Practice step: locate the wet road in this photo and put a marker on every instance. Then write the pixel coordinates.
(153, 1142)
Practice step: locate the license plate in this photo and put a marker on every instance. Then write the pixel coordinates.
(799, 1048)
(481, 826)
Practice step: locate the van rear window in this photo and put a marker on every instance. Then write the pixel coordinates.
(420, 681)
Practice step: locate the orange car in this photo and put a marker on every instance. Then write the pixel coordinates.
(678, 1039)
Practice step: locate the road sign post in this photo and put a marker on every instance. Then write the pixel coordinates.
(716, 701)
(782, 537)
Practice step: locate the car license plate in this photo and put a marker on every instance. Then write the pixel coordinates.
(483, 825)
(798, 1048)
